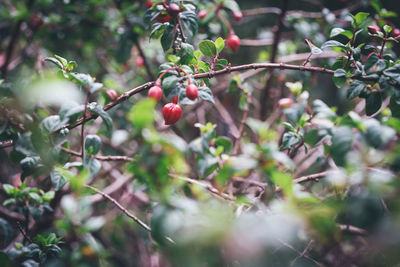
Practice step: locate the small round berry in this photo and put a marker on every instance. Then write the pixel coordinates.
(233, 42)
(285, 102)
(173, 9)
(238, 15)
(139, 61)
(192, 92)
(396, 33)
(202, 14)
(112, 94)
(171, 113)
(175, 99)
(155, 93)
(373, 29)
(149, 4)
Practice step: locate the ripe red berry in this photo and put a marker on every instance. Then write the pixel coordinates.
(112, 94)
(192, 92)
(202, 14)
(171, 113)
(285, 102)
(233, 41)
(173, 9)
(175, 99)
(155, 93)
(237, 15)
(396, 33)
(139, 61)
(164, 18)
(374, 29)
(149, 4)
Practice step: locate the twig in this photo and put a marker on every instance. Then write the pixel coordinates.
(242, 122)
(352, 229)
(205, 185)
(23, 232)
(13, 40)
(265, 104)
(123, 97)
(102, 158)
(123, 209)
(146, 64)
(6, 143)
(83, 124)
(311, 177)
(181, 29)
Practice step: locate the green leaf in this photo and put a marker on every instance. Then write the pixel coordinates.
(35, 197)
(7, 232)
(219, 44)
(224, 142)
(98, 110)
(8, 188)
(339, 77)
(378, 135)
(205, 93)
(186, 53)
(359, 18)
(332, 43)
(167, 37)
(373, 103)
(232, 5)
(63, 61)
(54, 61)
(284, 181)
(124, 47)
(58, 180)
(289, 139)
(355, 89)
(170, 86)
(51, 124)
(208, 48)
(335, 32)
(387, 28)
(341, 144)
(92, 164)
(142, 113)
(92, 144)
(48, 196)
(5, 260)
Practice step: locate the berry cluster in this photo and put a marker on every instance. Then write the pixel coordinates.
(172, 111)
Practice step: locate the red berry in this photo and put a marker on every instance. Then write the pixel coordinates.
(233, 41)
(139, 61)
(285, 102)
(155, 93)
(374, 29)
(174, 9)
(171, 113)
(175, 99)
(149, 4)
(202, 14)
(192, 92)
(396, 33)
(163, 18)
(112, 94)
(237, 15)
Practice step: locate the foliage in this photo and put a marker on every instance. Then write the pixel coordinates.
(95, 172)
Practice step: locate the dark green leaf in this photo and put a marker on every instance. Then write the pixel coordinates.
(205, 93)
(208, 48)
(373, 103)
(92, 144)
(355, 89)
(339, 77)
(341, 144)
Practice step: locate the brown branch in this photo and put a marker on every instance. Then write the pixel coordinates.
(23, 232)
(13, 40)
(311, 177)
(123, 97)
(101, 158)
(145, 62)
(123, 209)
(352, 229)
(207, 186)
(7, 143)
(242, 122)
(265, 101)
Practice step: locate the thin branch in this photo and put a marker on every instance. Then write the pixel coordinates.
(352, 229)
(207, 186)
(123, 97)
(25, 234)
(83, 124)
(264, 100)
(6, 143)
(101, 158)
(181, 29)
(123, 209)
(145, 62)
(311, 177)
(13, 40)
(242, 122)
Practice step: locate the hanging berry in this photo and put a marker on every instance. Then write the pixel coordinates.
(171, 113)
